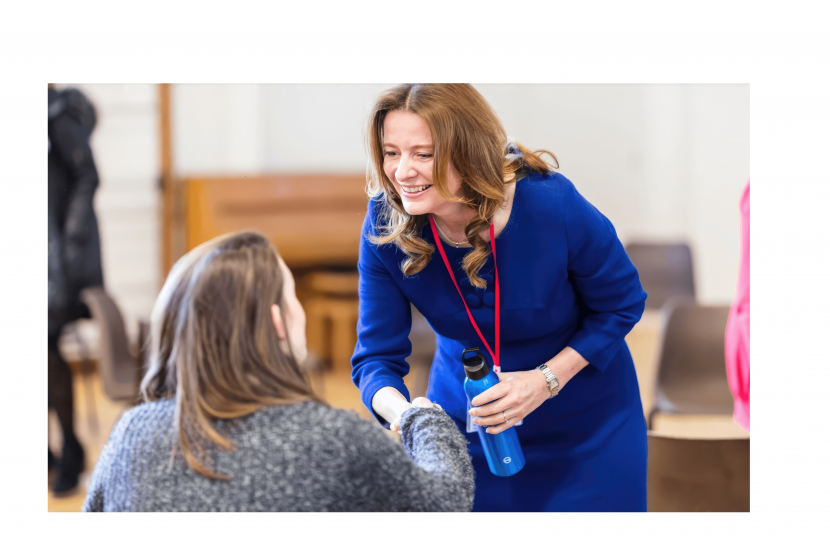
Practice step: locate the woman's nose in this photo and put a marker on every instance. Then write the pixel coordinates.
(405, 169)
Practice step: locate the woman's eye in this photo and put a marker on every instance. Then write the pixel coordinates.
(390, 153)
(425, 156)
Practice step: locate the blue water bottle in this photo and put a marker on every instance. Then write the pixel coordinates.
(503, 451)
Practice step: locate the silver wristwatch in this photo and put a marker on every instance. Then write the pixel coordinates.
(550, 378)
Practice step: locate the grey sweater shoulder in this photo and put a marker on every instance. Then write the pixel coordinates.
(302, 457)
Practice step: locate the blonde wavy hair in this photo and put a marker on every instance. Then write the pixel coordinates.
(214, 347)
(467, 133)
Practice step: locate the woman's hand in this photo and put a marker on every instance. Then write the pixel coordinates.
(518, 394)
(390, 404)
(421, 402)
(424, 403)
(521, 392)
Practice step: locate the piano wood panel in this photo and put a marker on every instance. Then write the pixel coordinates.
(312, 219)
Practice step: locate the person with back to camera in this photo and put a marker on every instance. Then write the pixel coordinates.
(231, 423)
(551, 305)
(74, 261)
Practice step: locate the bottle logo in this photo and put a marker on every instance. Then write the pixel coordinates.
(507, 459)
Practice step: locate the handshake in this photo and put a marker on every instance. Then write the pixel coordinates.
(389, 403)
(417, 402)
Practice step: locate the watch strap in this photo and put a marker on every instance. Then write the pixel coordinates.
(550, 379)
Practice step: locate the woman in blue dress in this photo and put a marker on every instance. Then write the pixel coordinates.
(568, 296)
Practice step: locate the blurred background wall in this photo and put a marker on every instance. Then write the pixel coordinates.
(663, 162)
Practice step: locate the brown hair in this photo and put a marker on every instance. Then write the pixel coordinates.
(213, 343)
(467, 133)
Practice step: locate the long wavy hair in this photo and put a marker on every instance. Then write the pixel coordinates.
(467, 133)
(214, 347)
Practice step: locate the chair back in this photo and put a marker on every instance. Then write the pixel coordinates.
(697, 475)
(665, 270)
(119, 369)
(691, 371)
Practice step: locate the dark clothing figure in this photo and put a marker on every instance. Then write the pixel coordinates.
(74, 244)
(74, 255)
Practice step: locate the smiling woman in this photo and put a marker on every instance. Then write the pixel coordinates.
(431, 136)
(559, 303)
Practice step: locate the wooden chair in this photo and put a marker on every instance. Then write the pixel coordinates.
(330, 302)
(665, 270)
(697, 475)
(691, 370)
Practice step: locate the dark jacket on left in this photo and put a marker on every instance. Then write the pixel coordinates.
(74, 243)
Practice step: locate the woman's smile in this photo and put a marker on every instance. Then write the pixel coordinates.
(413, 192)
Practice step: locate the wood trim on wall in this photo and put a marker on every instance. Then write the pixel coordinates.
(166, 162)
(173, 243)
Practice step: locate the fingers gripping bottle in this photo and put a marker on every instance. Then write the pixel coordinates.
(503, 451)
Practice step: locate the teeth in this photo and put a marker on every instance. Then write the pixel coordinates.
(415, 190)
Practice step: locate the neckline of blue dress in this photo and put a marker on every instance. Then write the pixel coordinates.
(503, 232)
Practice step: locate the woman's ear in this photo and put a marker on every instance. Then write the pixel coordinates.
(279, 324)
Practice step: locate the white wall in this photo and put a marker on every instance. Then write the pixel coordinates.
(250, 129)
(718, 172)
(126, 151)
(663, 162)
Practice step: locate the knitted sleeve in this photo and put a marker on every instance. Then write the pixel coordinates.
(430, 471)
(109, 486)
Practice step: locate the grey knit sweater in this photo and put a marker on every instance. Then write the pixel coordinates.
(303, 457)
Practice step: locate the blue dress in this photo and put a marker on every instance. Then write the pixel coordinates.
(565, 280)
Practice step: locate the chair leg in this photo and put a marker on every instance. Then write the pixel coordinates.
(318, 330)
(86, 376)
(344, 334)
(315, 367)
(650, 421)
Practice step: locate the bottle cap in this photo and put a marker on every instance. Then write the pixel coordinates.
(475, 366)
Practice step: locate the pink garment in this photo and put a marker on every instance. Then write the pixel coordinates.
(737, 329)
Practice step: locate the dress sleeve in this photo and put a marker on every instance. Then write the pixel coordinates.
(604, 279)
(383, 325)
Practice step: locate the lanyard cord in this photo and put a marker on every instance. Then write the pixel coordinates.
(438, 243)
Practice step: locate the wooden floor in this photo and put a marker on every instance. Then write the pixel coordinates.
(337, 388)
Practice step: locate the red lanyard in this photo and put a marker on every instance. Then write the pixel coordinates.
(438, 243)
